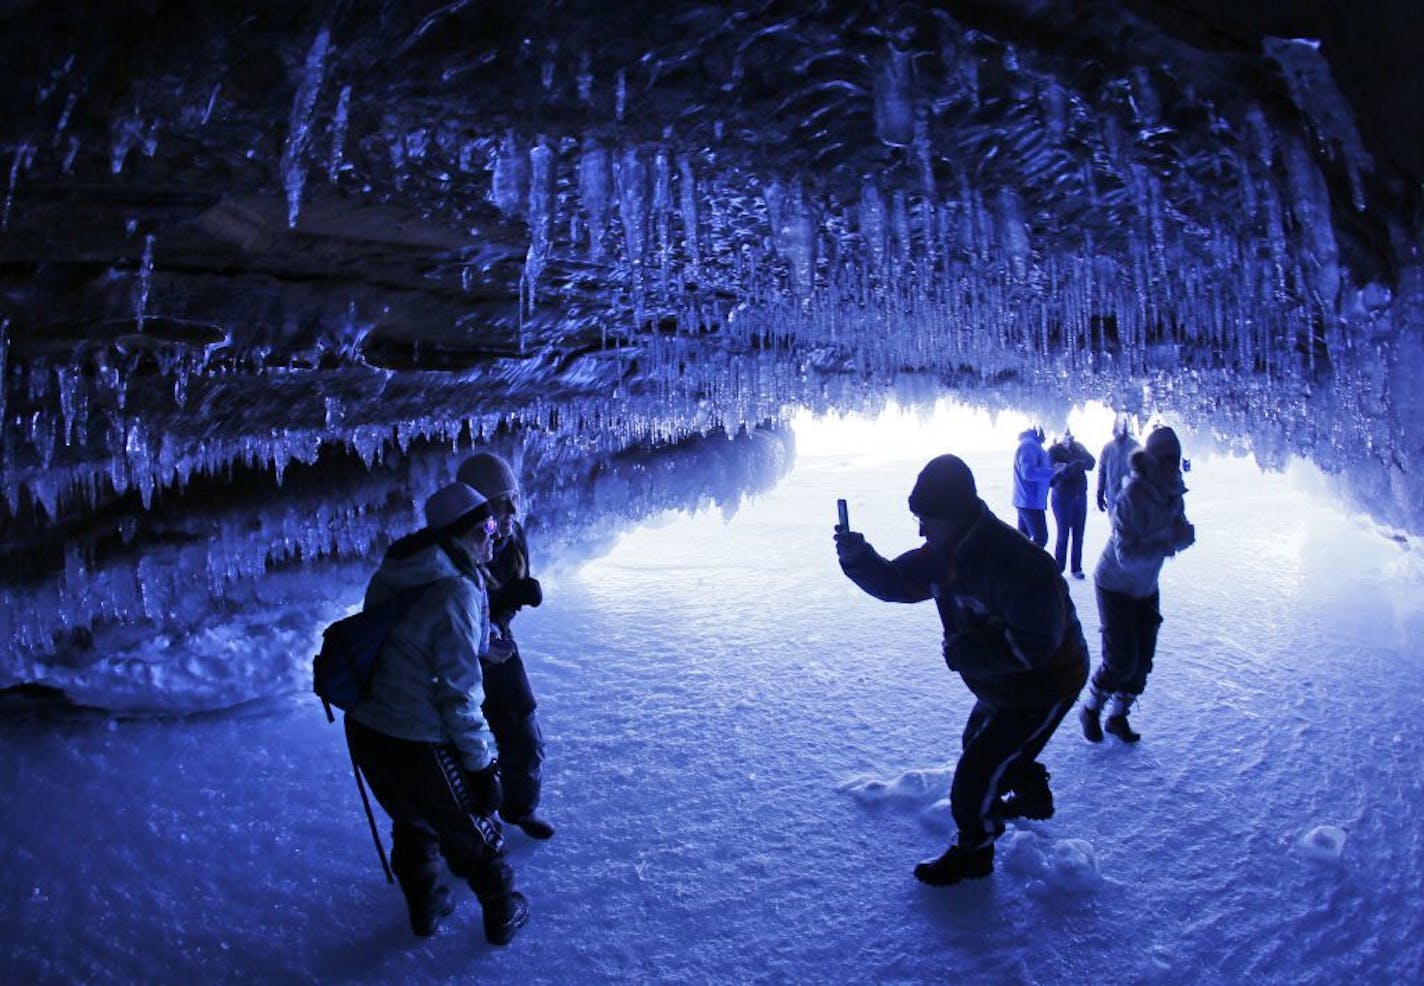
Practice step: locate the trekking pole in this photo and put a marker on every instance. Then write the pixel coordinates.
(370, 817)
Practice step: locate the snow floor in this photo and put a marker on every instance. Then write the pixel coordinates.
(747, 756)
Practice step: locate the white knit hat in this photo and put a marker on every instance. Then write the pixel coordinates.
(450, 503)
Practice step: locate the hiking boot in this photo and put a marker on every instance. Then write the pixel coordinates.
(428, 910)
(955, 865)
(533, 826)
(1092, 724)
(1121, 728)
(504, 917)
(1034, 805)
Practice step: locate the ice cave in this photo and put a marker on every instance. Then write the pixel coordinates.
(269, 270)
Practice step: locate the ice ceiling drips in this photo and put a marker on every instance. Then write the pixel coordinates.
(249, 233)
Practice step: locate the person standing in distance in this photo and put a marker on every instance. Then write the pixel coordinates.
(510, 706)
(1012, 635)
(1149, 525)
(1115, 464)
(1071, 462)
(1032, 471)
(419, 737)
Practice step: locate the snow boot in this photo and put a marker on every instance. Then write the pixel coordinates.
(1117, 723)
(504, 916)
(1089, 715)
(532, 825)
(1031, 797)
(955, 865)
(428, 909)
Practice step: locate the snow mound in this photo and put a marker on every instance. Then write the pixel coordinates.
(1325, 843)
(917, 787)
(1049, 864)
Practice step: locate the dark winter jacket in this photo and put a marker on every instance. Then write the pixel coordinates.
(1149, 524)
(1076, 461)
(510, 589)
(427, 684)
(1010, 628)
(1115, 465)
(1032, 471)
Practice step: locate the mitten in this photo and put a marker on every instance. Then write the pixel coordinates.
(486, 792)
(523, 592)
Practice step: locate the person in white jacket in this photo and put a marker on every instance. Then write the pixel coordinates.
(1149, 525)
(419, 735)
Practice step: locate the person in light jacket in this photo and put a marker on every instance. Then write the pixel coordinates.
(1012, 635)
(1115, 464)
(1071, 463)
(419, 736)
(1149, 525)
(509, 705)
(1032, 471)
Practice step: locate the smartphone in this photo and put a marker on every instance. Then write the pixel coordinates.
(843, 514)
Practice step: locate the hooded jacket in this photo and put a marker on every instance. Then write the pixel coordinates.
(1010, 628)
(427, 685)
(1149, 524)
(1032, 471)
(1115, 465)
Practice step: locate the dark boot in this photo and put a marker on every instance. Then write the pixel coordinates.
(428, 908)
(1117, 723)
(955, 865)
(1030, 797)
(1088, 715)
(504, 916)
(532, 825)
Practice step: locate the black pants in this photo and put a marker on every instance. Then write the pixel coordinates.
(422, 787)
(1000, 748)
(1033, 524)
(1070, 517)
(1129, 641)
(509, 709)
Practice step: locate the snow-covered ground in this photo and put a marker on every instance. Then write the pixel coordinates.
(747, 756)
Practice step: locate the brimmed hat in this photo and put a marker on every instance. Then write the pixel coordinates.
(944, 489)
(451, 504)
(489, 474)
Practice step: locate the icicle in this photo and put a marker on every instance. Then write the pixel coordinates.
(620, 94)
(594, 183)
(687, 198)
(4, 369)
(541, 216)
(24, 154)
(662, 209)
(894, 111)
(299, 124)
(143, 282)
(631, 177)
(338, 133)
(510, 184)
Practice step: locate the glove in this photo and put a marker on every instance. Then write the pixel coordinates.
(486, 792)
(522, 592)
(850, 545)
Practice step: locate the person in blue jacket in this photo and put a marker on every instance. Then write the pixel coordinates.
(1071, 462)
(1012, 635)
(1032, 471)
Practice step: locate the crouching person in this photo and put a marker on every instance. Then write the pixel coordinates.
(1011, 633)
(419, 736)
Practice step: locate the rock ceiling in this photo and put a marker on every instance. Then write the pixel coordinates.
(240, 239)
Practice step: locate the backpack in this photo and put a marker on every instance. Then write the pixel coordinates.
(341, 670)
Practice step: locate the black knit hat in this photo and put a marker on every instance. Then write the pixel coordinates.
(945, 489)
(1164, 446)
